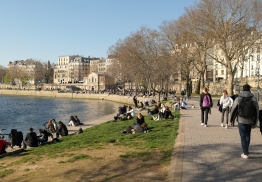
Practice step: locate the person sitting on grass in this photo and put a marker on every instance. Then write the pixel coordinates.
(61, 130)
(130, 112)
(154, 111)
(139, 125)
(51, 125)
(160, 113)
(119, 112)
(3, 145)
(183, 104)
(30, 139)
(72, 121)
(168, 113)
(78, 121)
(43, 137)
(140, 105)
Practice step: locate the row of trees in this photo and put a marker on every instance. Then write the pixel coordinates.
(220, 30)
(43, 73)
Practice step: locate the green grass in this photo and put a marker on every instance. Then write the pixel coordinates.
(145, 145)
(6, 172)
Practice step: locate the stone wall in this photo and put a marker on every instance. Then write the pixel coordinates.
(115, 98)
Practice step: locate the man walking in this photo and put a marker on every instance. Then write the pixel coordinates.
(245, 107)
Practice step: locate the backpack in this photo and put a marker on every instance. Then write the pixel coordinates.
(206, 101)
(183, 93)
(246, 108)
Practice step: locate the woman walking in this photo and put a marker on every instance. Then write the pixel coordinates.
(205, 104)
(227, 103)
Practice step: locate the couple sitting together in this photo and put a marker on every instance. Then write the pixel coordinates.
(138, 126)
(164, 112)
(74, 121)
(125, 113)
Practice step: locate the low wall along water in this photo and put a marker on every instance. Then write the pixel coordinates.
(115, 98)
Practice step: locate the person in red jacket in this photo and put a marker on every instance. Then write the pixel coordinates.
(3, 145)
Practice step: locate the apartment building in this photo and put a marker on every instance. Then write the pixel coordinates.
(31, 70)
(71, 69)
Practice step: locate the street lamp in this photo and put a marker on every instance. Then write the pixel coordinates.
(258, 74)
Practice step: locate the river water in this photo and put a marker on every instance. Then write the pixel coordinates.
(23, 112)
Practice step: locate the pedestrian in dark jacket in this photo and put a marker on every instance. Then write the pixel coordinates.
(61, 130)
(246, 107)
(30, 139)
(235, 95)
(135, 101)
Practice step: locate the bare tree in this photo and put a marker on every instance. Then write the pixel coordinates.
(235, 27)
(145, 57)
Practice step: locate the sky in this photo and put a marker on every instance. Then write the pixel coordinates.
(46, 29)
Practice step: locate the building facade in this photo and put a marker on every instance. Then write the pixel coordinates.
(30, 70)
(71, 69)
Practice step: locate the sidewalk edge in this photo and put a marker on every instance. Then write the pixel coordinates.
(175, 170)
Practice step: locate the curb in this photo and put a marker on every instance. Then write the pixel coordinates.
(175, 170)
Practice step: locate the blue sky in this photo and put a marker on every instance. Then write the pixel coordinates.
(46, 29)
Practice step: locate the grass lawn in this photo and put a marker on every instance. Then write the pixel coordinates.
(156, 145)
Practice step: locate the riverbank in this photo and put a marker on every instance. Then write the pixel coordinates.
(55, 94)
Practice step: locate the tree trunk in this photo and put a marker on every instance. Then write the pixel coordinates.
(159, 96)
(197, 88)
(230, 83)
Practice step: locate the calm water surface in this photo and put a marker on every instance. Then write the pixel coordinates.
(22, 112)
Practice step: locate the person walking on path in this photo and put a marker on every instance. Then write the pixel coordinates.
(246, 108)
(205, 105)
(227, 103)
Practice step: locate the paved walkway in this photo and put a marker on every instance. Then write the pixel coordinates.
(213, 153)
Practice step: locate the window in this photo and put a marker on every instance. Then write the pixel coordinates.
(252, 67)
(258, 49)
(216, 72)
(222, 72)
(258, 57)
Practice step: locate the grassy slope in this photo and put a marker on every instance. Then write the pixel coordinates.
(145, 146)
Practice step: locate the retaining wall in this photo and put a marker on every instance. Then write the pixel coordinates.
(115, 98)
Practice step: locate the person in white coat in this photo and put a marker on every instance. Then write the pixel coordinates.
(227, 103)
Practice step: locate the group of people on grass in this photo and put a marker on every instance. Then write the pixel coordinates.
(163, 112)
(33, 140)
(52, 127)
(242, 107)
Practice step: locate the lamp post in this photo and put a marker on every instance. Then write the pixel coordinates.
(258, 75)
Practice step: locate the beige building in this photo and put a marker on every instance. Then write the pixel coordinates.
(71, 69)
(30, 70)
(98, 82)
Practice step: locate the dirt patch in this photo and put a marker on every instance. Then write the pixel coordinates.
(92, 165)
